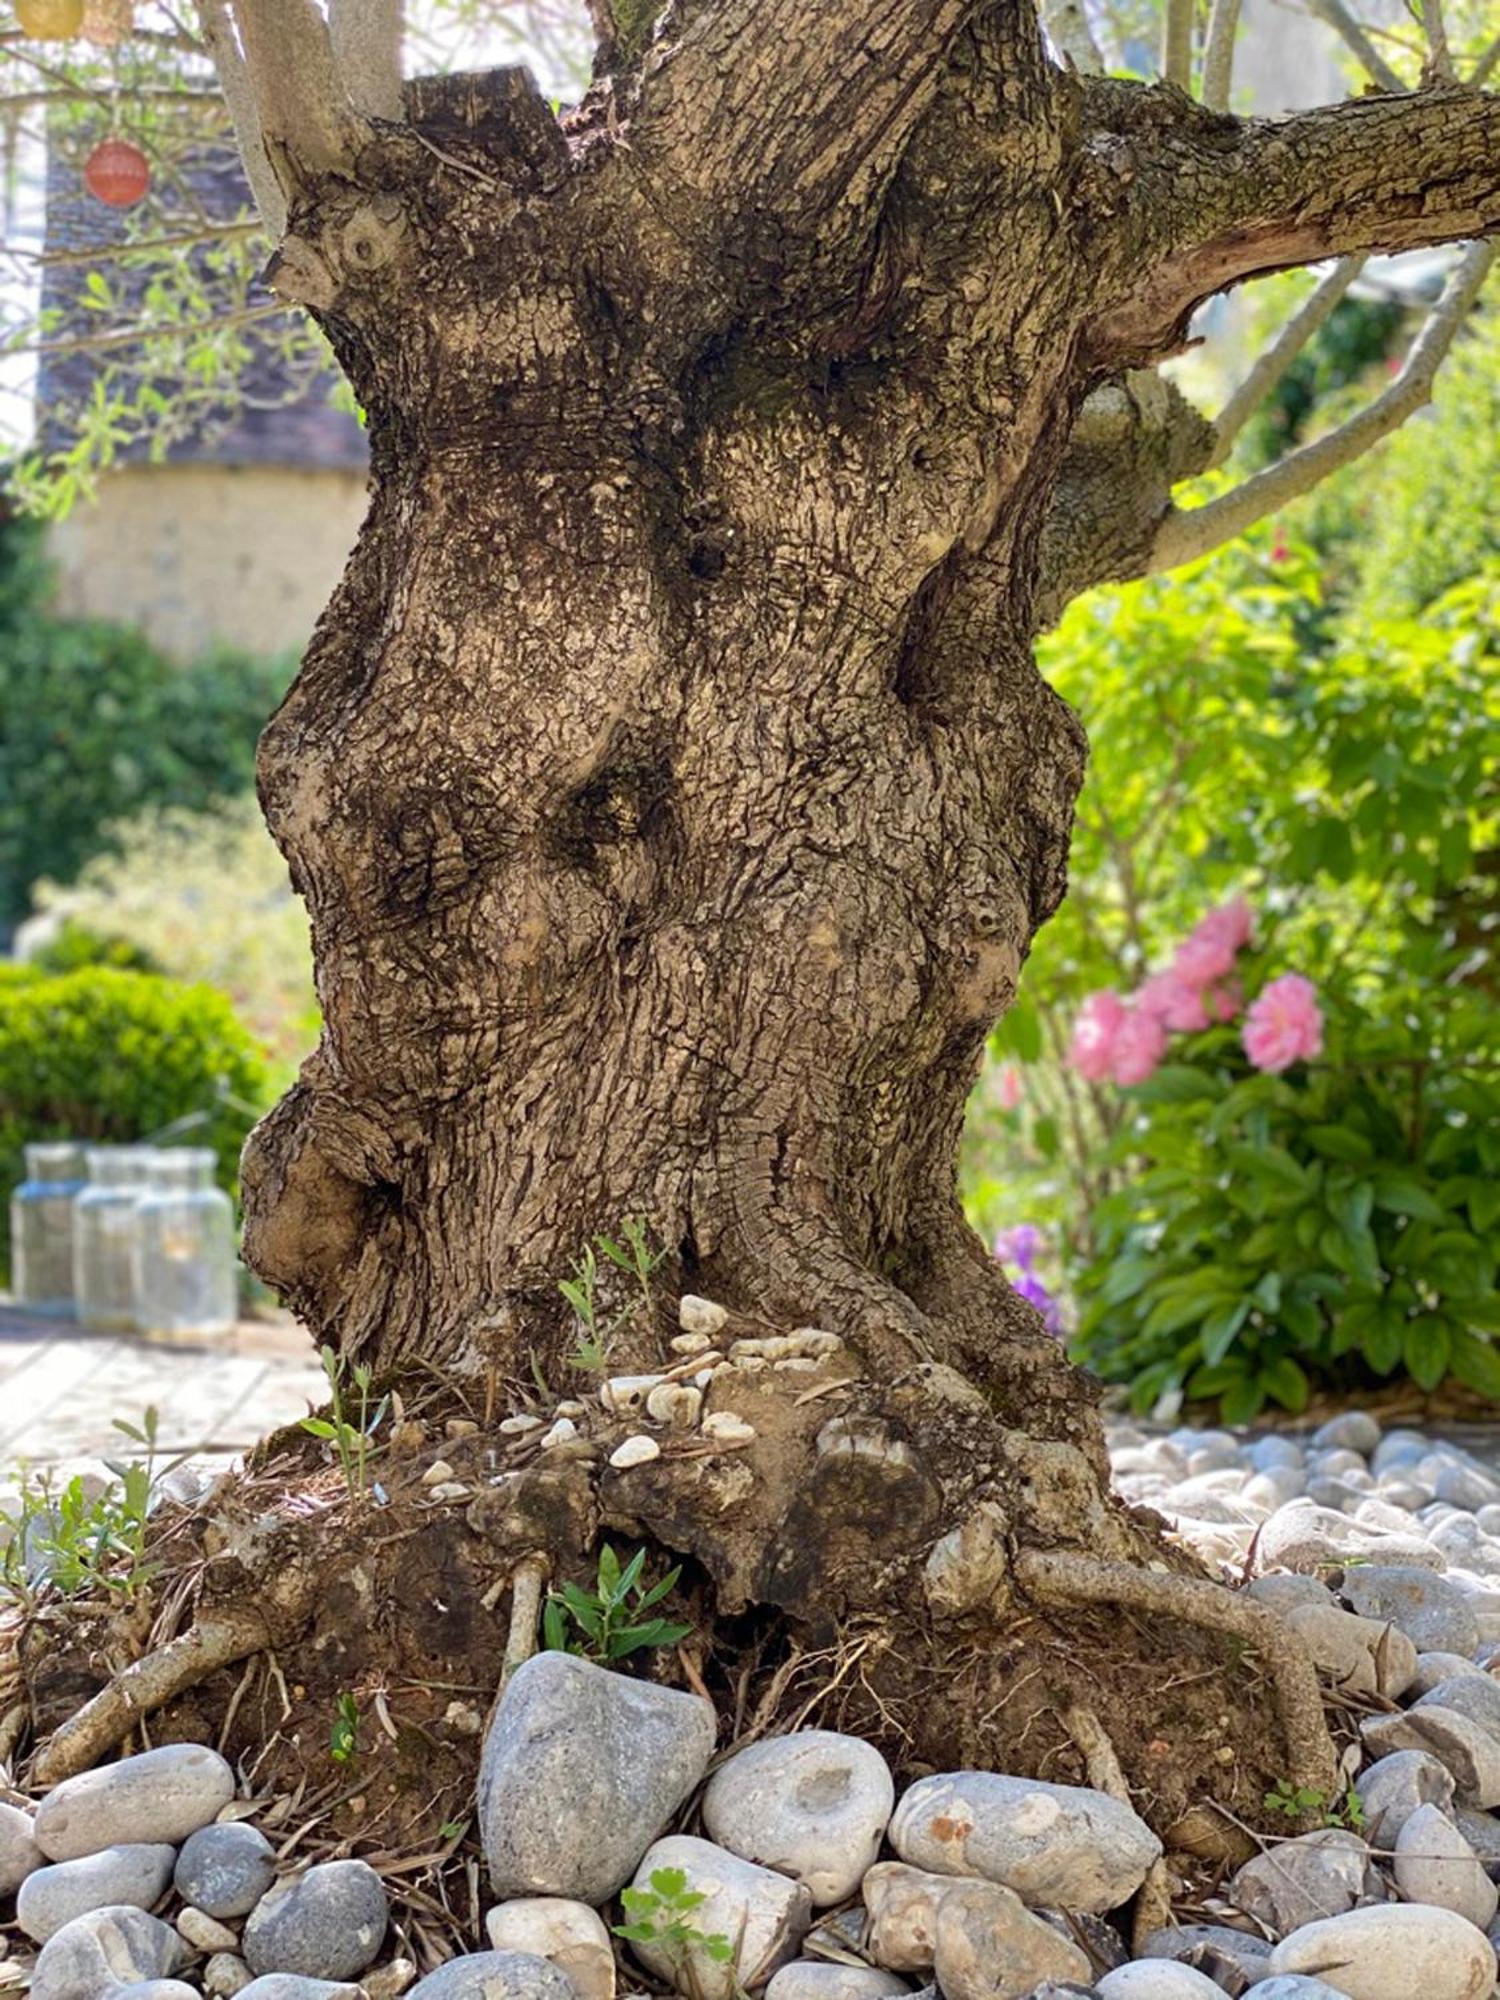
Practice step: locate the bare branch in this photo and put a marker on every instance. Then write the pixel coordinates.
(307, 124)
(367, 47)
(1271, 365)
(1186, 534)
(1069, 32)
(136, 336)
(1338, 17)
(1437, 38)
(143, 246)
(1208, 201)
(234, 79)
(1484, 69)
(1218, 54)
(1177, 43)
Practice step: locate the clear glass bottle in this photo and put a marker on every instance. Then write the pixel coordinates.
(41, 1228)
(186, 1276)
(104, 1237)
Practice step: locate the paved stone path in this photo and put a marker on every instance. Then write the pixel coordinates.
(60, 1391)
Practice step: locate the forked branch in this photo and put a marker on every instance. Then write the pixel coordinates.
(1270, 367)
(366, 36)
(1185, 534)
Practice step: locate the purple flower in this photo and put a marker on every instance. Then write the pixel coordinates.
(1021, 1247)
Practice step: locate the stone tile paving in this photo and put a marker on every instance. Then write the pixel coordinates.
(61, 1389)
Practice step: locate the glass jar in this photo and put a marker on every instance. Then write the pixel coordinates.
(104, 1237)
(41, 1228)
(186, 1278)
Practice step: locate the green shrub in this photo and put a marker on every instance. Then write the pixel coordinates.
(75, 946)
(96, 724)
(115, 1056)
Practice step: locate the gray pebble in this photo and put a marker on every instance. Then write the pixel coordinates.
(152, 1989)
(19, 1854)
(1432, 1612)
(161, 1795)
(54, 1896)
(224, 1870)
(205, 1933)
(482, 1975)
(328, 1923)
(226, 1974)
(293, 1986)
(1292, 1986)
(103, 1950)
(1351, 1430)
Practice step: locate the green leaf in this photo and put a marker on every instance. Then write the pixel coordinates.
(659, 1590)
(669, 1883)
(1216, 1335)
(655, 1632)
(1285, 1382)
(1475, 1363)
(1402, 1194)
(1339, 1142)
(554, 1627)
(609, 1574)
(1242, 1402)
(584, 1608)
(1426, 1347)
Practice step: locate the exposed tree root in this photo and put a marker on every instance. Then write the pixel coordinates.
(1059, 1578)
(1153, 1903)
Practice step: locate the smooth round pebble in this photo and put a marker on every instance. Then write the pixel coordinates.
(19, 1854)
(567, 1934)
(293, 1986)
(161, 1795)
(814, 1804)
(152, 1989)
(225, 1974)
(54, 1896)
(328, 1923)
(1157, 1979)
(224, 1870)
(205, 1933)
(818, 1979)
(1393, 1952)
(1291, 1986)
(1435, 1864)
(102, 1950)
(486, 1975)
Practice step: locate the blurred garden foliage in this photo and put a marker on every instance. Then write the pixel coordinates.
(96, 725)
(1311, 722)
(107, 1055)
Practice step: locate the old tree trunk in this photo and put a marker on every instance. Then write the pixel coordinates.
(675, 799)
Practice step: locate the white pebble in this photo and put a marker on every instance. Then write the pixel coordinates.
(634, 1451)
(727, 1427)
(519, 1425)
(562, 1432)
(695, 1315)
(439, 1473)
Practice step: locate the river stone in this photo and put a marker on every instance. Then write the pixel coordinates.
(161, 1795)
(763, 1914)
(205, 1933)
(1157, 1979)
(1281, 1589)
(327, 1923)
(1305, 1537)
(567, 1934)
(494, 1975)
(1435, 1668)
(580, 1771)
(1363, 1655)
(1298, 1881)
(1433, 1613)
(817, 1979)
(1473, 1695)
(19, 1854)
(1228, 1956)
(227, 1974)
(1435, 1864)
(813, 1804)
(107, 1948)
(1467, 1749)
(152, 1989)
(1390, 1792)
(54, 1896)
(1395, 1951)
(990, 1946)
(1054, 1844)
(294, 1986)
(903, 1904)
(225, 1870)
(1291, 1986)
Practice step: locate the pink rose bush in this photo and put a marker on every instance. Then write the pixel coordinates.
(1123, 1039)
(1284, 1024)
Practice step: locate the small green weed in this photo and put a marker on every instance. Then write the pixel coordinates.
(1300, 1801)
(77, 1542)
(350, 1440)
(635, 1257)
(609, 1617)
(343, 1739)
(658, 1916)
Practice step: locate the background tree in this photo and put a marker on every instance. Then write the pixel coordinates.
(670, 783)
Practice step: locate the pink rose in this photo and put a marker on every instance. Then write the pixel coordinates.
(1169, 1001)
(1008, 1087)
(1100, 1019)
(1203, 958)
(1284, 1024)
(1226, 1000)
(1139, 1045)
(1232, 923)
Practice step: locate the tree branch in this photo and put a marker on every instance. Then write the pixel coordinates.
(1177, 43)
(1068, 30)
(1343, 23)
(1186, 534)
(307, 125)
(234, 80)
(1209, 201)
(1218, 54)
(1271, 365)
(366, 37)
